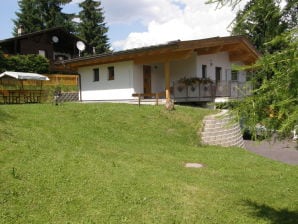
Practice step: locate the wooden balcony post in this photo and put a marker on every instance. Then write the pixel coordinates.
(167, 80)
(169, 103)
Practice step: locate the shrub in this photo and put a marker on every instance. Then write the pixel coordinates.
(27, 63)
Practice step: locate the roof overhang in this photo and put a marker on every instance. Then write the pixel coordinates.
(238, 47)
(28, 35)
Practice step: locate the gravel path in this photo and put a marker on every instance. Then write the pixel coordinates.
(283, 151)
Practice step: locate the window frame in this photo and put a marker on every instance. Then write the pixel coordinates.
(233, 73)
(96, 75)
(204, 71)
(111, 73)
(42, 53)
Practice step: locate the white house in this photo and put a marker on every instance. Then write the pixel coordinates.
(178, 70)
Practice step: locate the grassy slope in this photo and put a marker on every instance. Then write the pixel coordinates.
(113, 163)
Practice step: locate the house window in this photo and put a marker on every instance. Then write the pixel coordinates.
(234, 75)
(42, 53)
(111, 73)
(95, 75)
(204, 71)
(217, 74)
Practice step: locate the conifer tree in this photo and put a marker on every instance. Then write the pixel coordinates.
(290, 14)
(52, 15)
(261, 21)
(36, 15)
(92, 27)
(28, 17)
(274, 103)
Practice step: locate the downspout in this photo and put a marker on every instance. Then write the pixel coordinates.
(80, 88)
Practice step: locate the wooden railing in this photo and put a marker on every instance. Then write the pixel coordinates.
(211, 90)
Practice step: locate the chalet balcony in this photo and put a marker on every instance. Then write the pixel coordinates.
(209, 91)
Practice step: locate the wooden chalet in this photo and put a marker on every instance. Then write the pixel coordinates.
(56, 44)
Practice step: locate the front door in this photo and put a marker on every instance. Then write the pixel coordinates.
(147, 79)
(217, 74)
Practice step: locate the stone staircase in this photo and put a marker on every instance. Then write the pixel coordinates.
(221, 129)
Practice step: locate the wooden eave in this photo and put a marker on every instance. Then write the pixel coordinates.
(134, 54)
(238, 47)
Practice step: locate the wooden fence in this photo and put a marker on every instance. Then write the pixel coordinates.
(60, 79)
(55, 80)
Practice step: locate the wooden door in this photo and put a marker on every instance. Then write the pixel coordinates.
(147, 79)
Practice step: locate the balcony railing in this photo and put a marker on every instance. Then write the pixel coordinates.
(209, 91)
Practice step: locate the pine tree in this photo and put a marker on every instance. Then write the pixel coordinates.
(53, 16)
(274, 103)
(36, 15)
(28, 17)
(261, 21)
(290, 14)
(92, 27)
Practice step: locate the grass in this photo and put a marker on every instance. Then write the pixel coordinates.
(114, 163)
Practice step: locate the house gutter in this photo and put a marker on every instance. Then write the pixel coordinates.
(80, 88)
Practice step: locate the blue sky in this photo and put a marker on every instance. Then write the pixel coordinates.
(9, 7)
(137, 23)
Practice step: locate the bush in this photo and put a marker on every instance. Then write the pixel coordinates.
(2, 61)
(27, 63)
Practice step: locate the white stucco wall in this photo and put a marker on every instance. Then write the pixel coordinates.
(218, 60)
(121, 88)
(212, 61)
(183, 68)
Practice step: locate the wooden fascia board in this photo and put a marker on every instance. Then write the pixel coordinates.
(209, 50)
(120, 57)
(251, 48)
(219, 48)
(97, 61)
(213, 42)
(246, 57)
(153, 51)
(231, 47)
(214, 45)
(171, 52)
(165, 57)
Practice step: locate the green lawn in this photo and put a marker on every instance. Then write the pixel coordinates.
(115, 163)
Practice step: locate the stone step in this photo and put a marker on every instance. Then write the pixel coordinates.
(221, 129)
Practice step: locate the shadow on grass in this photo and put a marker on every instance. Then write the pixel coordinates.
(4, 116)
(275, 216)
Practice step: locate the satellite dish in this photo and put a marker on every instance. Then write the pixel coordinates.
(55, 39)
(80, 45)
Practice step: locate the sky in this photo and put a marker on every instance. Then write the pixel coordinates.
(138, 23)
